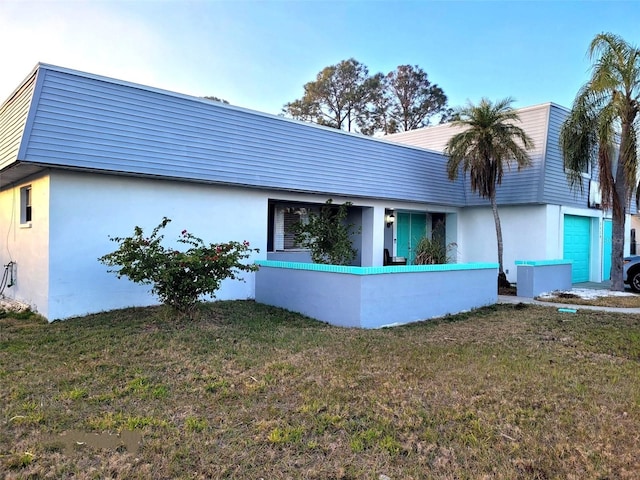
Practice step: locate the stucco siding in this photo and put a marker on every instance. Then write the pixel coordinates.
(92, 122)
(529, 232)
(26, 243)
(518, 187)
(13, 117)
(524, 234)
(87, 208)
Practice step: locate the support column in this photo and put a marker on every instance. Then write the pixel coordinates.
(373, 225)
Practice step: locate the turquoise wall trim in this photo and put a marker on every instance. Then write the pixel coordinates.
(541, 263)
(375, 270)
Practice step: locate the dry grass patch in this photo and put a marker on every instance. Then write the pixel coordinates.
(249, 391)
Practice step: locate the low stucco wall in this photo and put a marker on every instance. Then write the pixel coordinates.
(536, 277)
(372, 297)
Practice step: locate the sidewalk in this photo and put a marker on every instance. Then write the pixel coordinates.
(510, 299)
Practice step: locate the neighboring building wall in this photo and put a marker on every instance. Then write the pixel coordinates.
(87, 208)
(27, 243)
(13, 116)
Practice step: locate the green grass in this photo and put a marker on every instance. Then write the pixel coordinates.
(248, 391)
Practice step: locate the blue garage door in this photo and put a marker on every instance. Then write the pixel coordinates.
(577, 246)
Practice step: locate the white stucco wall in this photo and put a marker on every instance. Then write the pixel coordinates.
(525, 233)
(26, 245)
(75, 213)
(531, 232)
(86, 209)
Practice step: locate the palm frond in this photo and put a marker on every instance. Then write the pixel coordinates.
(602, 126)
(489, 140)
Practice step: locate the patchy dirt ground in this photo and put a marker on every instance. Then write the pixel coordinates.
(588, 296)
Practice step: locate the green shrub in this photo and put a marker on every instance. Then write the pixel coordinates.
(433, 251)
(327, 235)
(179, 279)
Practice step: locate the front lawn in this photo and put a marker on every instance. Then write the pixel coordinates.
(249, 391)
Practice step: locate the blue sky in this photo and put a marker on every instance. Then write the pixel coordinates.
(258, 54)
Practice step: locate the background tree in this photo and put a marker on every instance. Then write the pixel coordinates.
(345, 96)
(602, 129)
(414, 100)
(216, 99)
(489, 140)
(336, 98)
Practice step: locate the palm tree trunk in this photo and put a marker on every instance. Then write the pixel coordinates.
(502, 277)
(619, 212)
(617, 251)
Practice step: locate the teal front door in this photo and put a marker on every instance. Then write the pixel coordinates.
(410, 228)
(607, 231)
(577, 246)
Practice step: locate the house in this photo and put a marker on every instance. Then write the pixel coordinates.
(84, 157)
(541, 217)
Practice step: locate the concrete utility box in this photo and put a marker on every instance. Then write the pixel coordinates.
(540, 276)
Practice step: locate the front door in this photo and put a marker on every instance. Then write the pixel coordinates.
(410, 228)
(577, 246)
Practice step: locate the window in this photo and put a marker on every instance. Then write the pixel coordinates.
(284, 217)
(291, 217)
(25, 205)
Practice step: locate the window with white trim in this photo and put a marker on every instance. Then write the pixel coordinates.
(282, 217)
(285, 218)
(25, 205)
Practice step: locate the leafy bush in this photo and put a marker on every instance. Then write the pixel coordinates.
(178, 278)
(327, 235)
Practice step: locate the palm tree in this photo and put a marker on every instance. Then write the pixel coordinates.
(604, 124)
(488, 142)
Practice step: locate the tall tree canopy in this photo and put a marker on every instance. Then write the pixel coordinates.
(345, 96)
(413, 99)
(489, 140)
(602, 131)
(337, 98)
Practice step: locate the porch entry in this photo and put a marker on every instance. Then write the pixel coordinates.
(410, 228)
